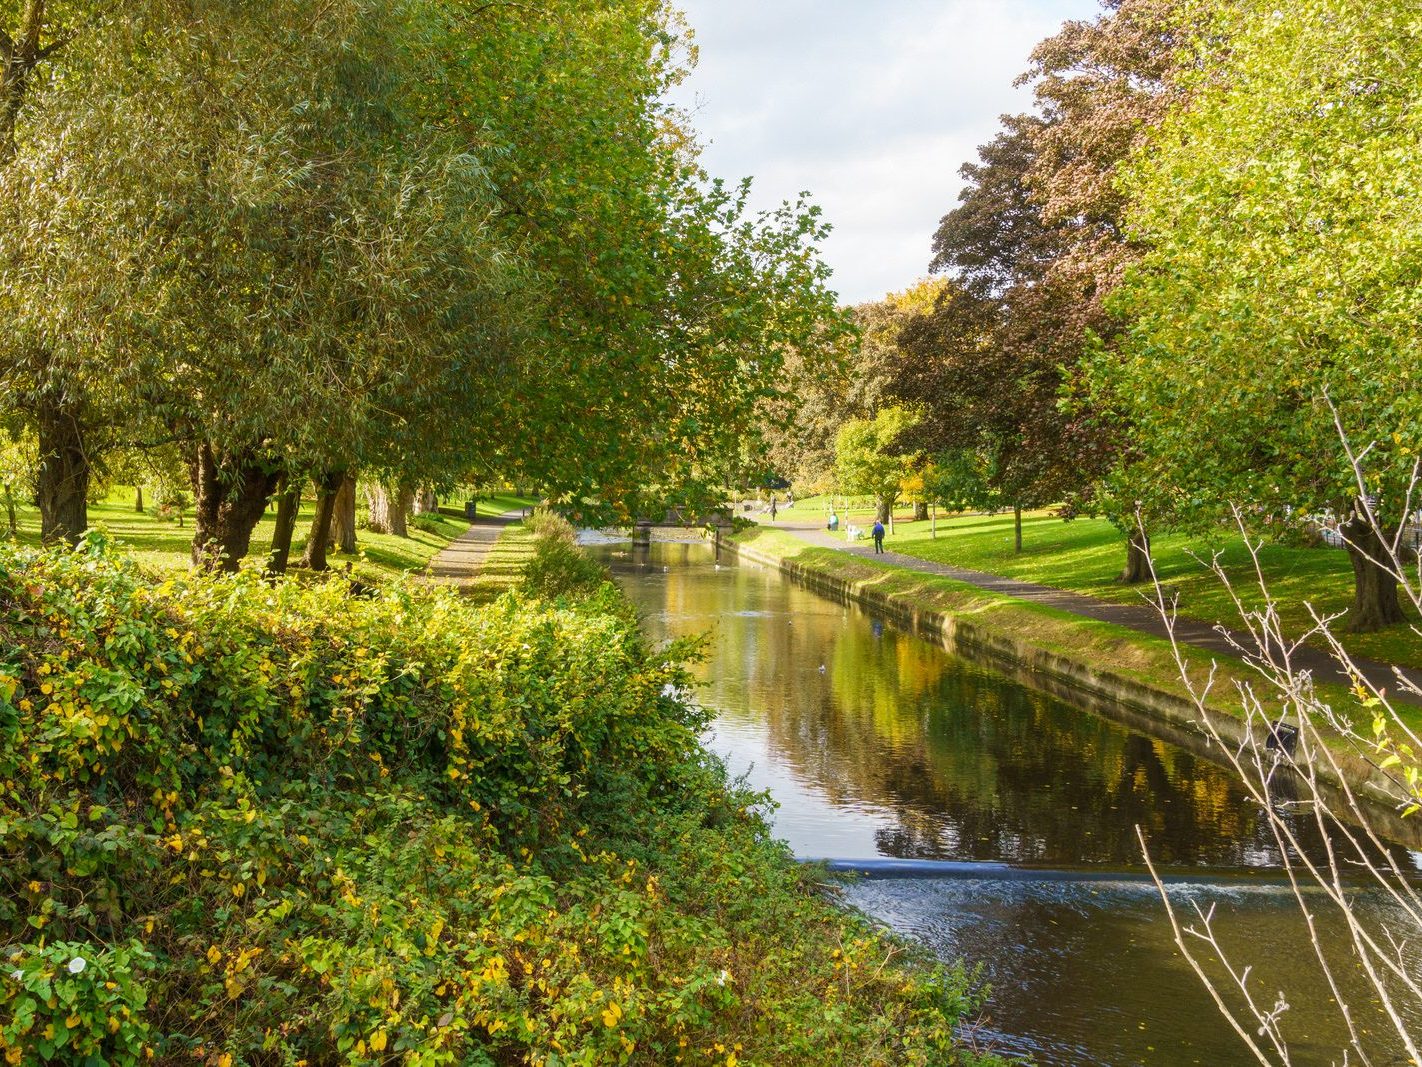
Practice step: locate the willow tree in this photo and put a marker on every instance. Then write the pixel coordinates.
(296, 242)
(1281, 282)
(406, 238)
(32, 36)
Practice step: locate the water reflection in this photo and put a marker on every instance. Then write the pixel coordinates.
(849, 720)
(877, 743)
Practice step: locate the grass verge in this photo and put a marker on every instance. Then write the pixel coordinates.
(1085, 555)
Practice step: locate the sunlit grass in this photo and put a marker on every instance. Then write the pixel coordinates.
(162, 545)
(1085, 555)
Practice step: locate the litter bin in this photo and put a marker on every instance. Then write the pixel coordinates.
(469, 506)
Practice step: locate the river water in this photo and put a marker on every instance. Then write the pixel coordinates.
(876, 743)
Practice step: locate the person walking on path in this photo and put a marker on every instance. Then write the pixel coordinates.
(878, 536)
(772, 507)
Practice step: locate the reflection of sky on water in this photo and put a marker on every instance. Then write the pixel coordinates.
(803, 816)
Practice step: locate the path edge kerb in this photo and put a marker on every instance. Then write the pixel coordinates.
(1129, 701)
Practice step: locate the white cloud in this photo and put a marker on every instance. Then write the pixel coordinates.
(871, 107)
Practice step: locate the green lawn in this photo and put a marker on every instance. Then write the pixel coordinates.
(499, 503)
(1085, 555)
(163, 545)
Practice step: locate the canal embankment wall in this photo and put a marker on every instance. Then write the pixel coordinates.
(1123, 675)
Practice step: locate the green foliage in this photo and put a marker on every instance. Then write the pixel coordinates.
(558, 569)
(74, 1002)
(548, 525)
(1282, 263)
(278, 823)
(869, 457)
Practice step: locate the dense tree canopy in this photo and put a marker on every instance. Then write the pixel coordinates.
(1034, 246)
(870, 459)
(844, 374)
(1282, 273)
(419, 238)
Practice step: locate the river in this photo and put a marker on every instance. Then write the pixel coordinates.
(876, 743)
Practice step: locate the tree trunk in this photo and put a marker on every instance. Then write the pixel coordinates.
(920, 510)
(388, 509)
(10, 511)
(138, 499)
(230, 493)
(63, 475)
(1138, 565)
(1375, 602)
(343, 519)
(329, 486)
(884, 509)
(426, 503)
(1017, 527)
(288, 507)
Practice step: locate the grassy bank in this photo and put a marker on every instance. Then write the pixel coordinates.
(1099, 647)
(161, 544)
(1085, 555)
(247, 824)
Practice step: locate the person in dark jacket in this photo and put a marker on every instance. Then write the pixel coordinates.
(878, 536)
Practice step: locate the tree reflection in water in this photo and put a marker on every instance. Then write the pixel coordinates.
(963, 763)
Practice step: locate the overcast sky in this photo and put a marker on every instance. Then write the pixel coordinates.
(870, 105)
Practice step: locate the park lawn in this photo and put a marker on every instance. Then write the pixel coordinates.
(163, 545)
(502, 503)
(1085, 555)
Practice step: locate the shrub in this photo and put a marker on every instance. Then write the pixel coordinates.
(559, 570)
(548, 525)
(429, 522)
(280, 824)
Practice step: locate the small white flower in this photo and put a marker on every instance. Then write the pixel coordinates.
(77, 964)
(17, 974)
(723, 977)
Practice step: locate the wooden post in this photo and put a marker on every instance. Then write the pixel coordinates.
(934, 512)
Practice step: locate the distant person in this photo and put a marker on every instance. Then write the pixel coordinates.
(833, 523)
(772, 509)
(878, 532)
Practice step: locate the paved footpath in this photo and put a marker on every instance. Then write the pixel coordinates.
(1142, 617)
(459, 561)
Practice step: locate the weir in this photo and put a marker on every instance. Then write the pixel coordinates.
(959, 870)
